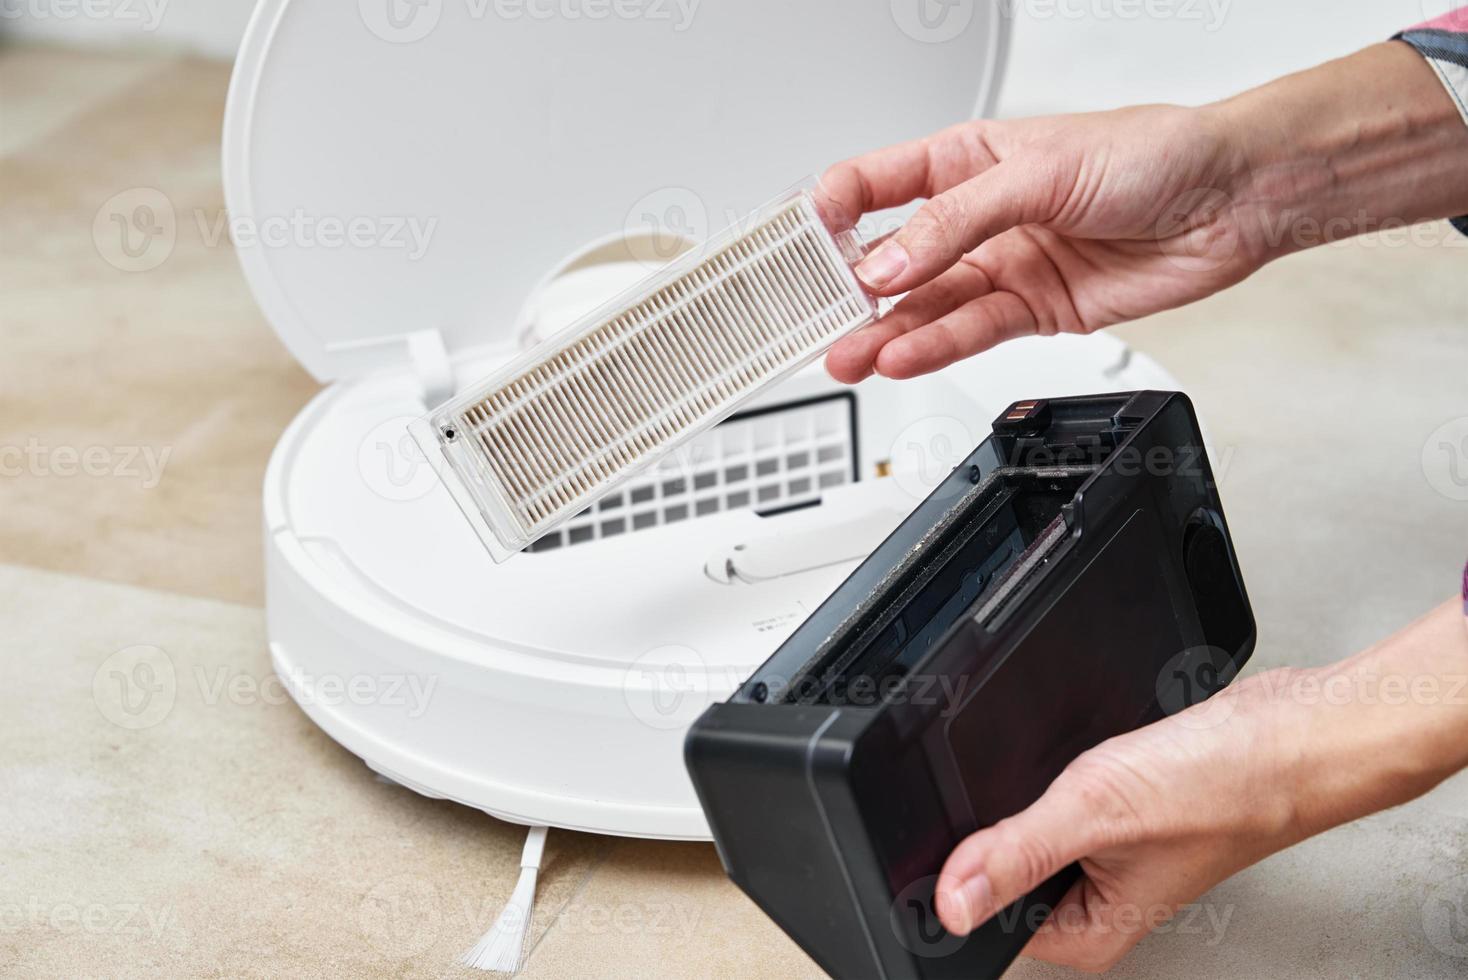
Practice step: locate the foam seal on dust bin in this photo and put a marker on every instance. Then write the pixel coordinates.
(563, 424)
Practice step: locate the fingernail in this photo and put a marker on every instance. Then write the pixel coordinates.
(968, 902)
(953, 907)
(883, 265)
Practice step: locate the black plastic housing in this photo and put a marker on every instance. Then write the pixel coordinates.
(1071, 580)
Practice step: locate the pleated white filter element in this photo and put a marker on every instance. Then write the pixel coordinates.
(539, 441)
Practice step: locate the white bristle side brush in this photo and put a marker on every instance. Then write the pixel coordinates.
(502, 948)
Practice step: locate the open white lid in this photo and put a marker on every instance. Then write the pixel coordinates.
(399, 166)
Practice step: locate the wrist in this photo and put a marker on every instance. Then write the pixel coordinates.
(1278, 756)
(1378, 729)
(1365, 143)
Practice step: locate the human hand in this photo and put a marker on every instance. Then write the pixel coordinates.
(1158, 816)
(1155, 817)
(1072, 223)
(1053, 225)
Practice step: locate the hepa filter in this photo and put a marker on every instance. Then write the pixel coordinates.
(559, 428)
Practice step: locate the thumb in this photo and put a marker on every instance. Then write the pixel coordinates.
(1014, 192)
(992, 868)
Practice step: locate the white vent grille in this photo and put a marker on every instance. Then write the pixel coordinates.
(771, 459)
(562, 426)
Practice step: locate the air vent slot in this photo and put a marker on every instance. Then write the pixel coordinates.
(770, 459)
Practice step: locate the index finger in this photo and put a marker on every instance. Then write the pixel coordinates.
(900, 173)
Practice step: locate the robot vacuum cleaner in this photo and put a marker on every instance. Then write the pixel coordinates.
(438, 185)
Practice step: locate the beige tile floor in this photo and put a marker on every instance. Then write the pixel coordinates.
(233, 838)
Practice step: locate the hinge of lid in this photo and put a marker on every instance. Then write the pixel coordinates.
(432, 366)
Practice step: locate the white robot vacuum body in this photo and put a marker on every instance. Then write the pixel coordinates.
(476, 166)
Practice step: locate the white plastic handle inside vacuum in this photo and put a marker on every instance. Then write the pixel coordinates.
(777, 554)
